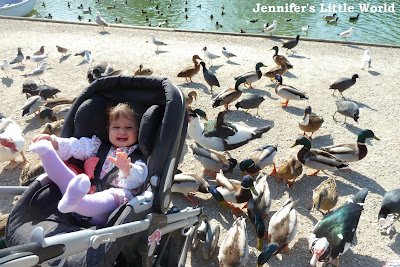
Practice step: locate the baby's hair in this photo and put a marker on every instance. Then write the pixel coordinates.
(122, 110)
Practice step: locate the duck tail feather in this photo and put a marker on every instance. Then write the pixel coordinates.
(259, 131)
(360, 196)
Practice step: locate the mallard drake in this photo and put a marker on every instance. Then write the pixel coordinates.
(234, 191)
(54, 114)
(229, 95)
(281, 231)
(333, 235)
(329, 16)
(325, 196)
(252, 76)
(259, 159)
(186, 183)
(352, 152)
(54, 127)
(317, 159)
(279, 58)
(343, 84)
(142, 71)
(234, 250)
(280, 69)
(59, 101)
(390, 208)
(250, 102)
(288, 92)
(258, 207)
(212, 160)
(11, 143)
(189, 98)
(32, 105)
(310, 123)
(221, 136)
(189, 72)
(290, 170)
(289, 45)
(209, 77)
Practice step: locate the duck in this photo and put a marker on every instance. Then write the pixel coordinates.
(220, 136)
(59, 101)
(110, 7)
(347, 109)
(32, 105)
(329, 16)
(282, 229)
(333, 235)
(31, 171)
(186, 183)
(333, 21)
(229, 95)
(317, 159)
(258, 207)
(390, 207)
(310, 123)
(54, 114)
(80, 6)
(354, 18)
(11, 143)
(290, 170)
(87, 11)
(190, 97)
(325, 196)
(189, 72)
(142, 71)
(259, 159)
(54, 127)
(212, 160)
(250, 102)
(234, 191)
(209, 77)
(234, 249)
(278, 70)
(252, 76)
(289, 45)
(279, 58)
(352, 152)
(343, 84)
(288, 92)
(100, 69)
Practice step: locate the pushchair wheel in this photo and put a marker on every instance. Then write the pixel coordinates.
(211, 242)
(196, 239)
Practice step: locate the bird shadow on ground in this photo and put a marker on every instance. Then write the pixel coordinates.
(353, 46)
(396, 244)
(21, 68)
(160, 52)
(260, 92)
(362, 181)
(362, 105)
(196, 86)
(62, 59)
(104, 32)
(274, 39)
(374, 73)
(349, 259)
(249, 119)
(7, 81)
(352, 128)
(290, 75)
(32, 124)
(81, 63)
(214, 68)
(297, 56)
(293, 110)
(321, 140)
(232, 63)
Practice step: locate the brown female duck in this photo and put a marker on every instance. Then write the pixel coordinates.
(189, 72)
(280, 69)
(310, 123)
(325, 196)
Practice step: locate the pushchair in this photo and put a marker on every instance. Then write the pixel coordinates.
(139, 233)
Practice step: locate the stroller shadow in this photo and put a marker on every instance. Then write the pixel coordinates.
(62, 59)
(7, 81)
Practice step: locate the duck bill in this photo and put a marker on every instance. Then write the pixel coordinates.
(206, 118)
(260, 243)
(293, 145)
(223, 204)
(253, 190)
(314, 259)
(41, 121)
(376, 138)
(243, 173)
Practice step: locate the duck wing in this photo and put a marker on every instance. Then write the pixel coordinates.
(247, 75)
(293, 90)
(231, 185)
(325, 157)
(341, 149)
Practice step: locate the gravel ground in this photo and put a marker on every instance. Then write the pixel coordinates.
(316, 66)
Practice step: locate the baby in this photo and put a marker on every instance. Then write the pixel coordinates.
(123, 135)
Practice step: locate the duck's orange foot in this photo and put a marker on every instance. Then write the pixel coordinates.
(284, 103)
(235, 210)
(274, 172)
(192, 201)
(211, 174)
(310, 173)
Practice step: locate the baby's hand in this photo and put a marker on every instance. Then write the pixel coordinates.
(45, 137)
(122, 161)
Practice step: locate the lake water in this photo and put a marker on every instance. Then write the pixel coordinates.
(379, 27)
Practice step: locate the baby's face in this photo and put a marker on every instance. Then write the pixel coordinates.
(123, 132)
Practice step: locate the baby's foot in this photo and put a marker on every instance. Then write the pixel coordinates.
(77, 188)
(41, 147)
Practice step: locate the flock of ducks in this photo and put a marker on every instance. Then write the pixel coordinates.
(330, 238)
